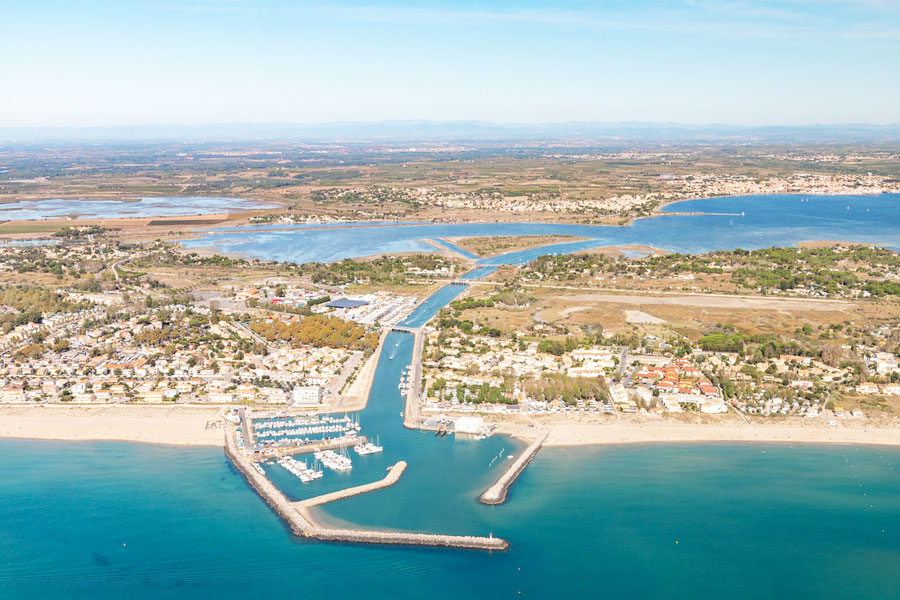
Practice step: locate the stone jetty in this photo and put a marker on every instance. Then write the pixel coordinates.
(390, 479)
(298, 517)
(496, 494)
(336, 444)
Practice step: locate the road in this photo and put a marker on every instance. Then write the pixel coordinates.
(240, 328)
(737, 301)
(115, 265)
(623, 359)
(350, 366)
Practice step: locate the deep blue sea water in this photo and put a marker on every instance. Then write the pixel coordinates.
(82, 520)
(767, 221)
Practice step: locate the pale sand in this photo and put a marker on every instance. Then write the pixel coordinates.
(579, 434)
(720, 301)
(615, 251)
(186, 425)
(356, 396)
(637, 316)
(175, 425)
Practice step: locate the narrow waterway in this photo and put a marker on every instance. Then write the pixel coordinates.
(450, 466)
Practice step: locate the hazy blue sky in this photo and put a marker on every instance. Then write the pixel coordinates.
(110, 62)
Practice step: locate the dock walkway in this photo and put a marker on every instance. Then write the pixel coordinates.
(335, 444)
(411, 418)
(302, 523)
(496, 494)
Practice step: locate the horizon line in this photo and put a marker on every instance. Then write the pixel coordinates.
(483, 122)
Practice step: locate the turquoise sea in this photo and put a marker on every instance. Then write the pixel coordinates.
(87, 520)
(116, 520)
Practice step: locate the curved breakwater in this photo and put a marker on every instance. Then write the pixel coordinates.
(496, 494)
(298, 518)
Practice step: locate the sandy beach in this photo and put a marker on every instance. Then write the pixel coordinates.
(578, 434)
(176, 425)
(187, 426)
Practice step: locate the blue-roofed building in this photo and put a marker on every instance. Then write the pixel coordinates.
(346, 303)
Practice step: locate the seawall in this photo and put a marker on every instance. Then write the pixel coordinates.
(496, 494)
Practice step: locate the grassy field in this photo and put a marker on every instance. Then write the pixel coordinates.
(572, 311)
(28, 227)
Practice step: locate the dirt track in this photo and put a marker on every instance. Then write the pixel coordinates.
(711, 301)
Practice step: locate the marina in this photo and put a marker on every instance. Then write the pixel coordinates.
(297, 468)
(275, 431)
(367, 448)
(334, 460)
(298, 516)
(301, 431)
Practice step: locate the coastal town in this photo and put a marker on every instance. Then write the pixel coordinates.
(487, 375)
(627, 202)
(572, 182)
(447, 300)
(299, 338)
(299, 365)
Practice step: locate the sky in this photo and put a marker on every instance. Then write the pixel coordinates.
(741, 62)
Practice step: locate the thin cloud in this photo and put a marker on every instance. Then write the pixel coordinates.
(717, 18)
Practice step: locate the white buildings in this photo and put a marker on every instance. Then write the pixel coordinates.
(618, 393)
(307, 396)
(473, 425)
(886, 363)
(594, 362)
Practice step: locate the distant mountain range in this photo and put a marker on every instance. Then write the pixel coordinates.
(458, 131)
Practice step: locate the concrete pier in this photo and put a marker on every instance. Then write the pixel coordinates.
(280, 451)
(411, 418)
(302, 523)
(496, 494)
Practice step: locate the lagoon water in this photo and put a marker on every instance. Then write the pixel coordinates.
(82, 520)
(766, 221)
(177, 206)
